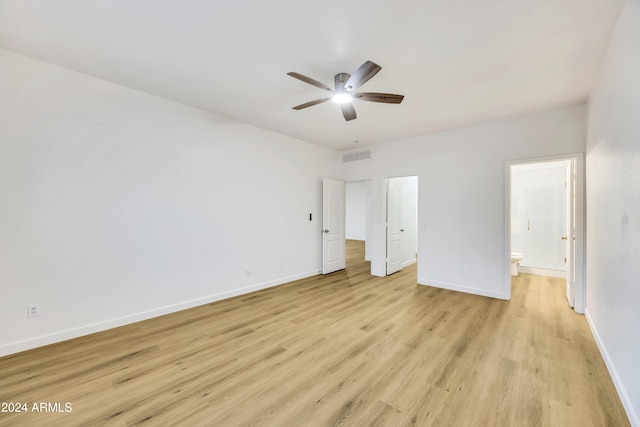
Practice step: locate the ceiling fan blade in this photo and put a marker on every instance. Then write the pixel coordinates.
(310, 103)
(309, 80)
(387, 98)
(362, 75)
(348, 111)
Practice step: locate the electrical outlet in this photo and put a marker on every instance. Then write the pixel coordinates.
(33, 310)
(462, 271)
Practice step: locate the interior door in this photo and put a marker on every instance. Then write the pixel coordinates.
(333, 225)
(409, 220)
(570, 237)
(394, 227)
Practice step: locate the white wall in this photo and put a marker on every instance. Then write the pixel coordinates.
(539, 214)
(117, 206)
(613, 209)
(462, 193)
(356, 215)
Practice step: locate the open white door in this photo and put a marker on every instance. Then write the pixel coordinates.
(333, 221)
(570, 236)
(394, 229)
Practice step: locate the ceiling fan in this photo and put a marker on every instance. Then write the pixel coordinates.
(345, 86)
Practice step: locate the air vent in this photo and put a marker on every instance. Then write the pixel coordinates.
(356, 156)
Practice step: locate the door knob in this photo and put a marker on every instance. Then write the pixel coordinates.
(402, 229)
(564, 237)
(326, 231)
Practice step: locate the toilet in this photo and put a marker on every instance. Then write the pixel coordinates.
(516, 257)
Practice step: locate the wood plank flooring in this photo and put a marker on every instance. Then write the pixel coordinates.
(345, 349)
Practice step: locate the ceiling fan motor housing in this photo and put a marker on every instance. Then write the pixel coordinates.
(340, 80)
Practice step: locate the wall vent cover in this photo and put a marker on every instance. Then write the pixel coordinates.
(356, 156)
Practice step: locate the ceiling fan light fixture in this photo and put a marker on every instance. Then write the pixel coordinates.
(345, 86)
(341, 97)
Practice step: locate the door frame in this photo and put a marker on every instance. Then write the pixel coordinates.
(580, 290)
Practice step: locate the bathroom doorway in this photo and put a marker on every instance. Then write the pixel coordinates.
(545, 221)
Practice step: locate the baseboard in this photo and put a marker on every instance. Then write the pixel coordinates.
(67, 334)
(407, 263)
(542, 271)
(617, 382)
(378, 273)
(463, 288)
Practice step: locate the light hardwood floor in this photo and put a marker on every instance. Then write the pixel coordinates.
(343, 349)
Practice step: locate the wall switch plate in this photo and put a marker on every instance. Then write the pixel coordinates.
(33, 310)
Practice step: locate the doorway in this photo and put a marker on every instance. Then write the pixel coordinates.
(358, 219)
(337, 206)
(544, 222)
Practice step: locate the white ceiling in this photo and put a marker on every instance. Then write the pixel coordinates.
(457, 62)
